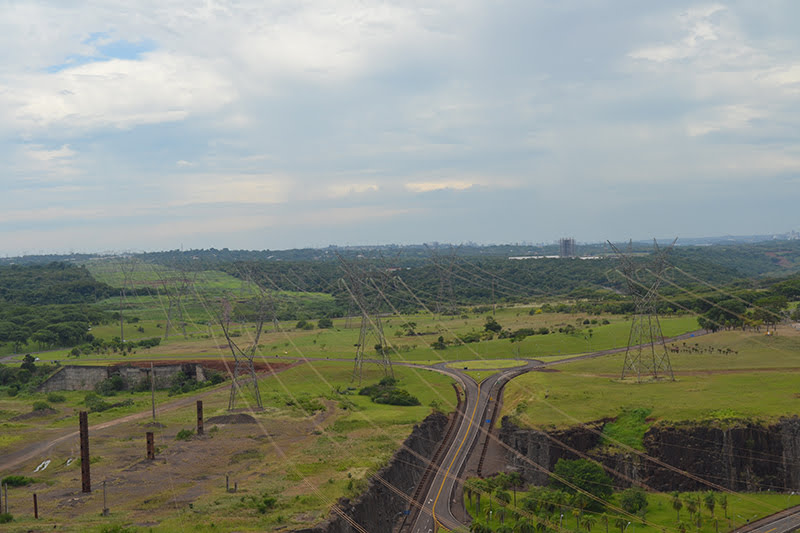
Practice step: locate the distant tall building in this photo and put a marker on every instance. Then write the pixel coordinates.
(566, 247)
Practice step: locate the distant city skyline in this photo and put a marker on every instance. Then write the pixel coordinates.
(251, 125)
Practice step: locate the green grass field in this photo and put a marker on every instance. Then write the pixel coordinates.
(758, 382)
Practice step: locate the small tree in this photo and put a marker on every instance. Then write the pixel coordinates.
(723, 502)
(710, 502)
(677, 504)
(634, 500)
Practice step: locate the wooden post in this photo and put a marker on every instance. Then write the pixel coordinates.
(86, 480)
(5, 496)
(153, 390)
(35, 507)
(151, 449)
(105, 506)
(199, 417)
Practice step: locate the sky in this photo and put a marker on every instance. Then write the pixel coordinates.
(147, 125)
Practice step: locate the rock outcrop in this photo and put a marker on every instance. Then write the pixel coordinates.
(738, 455)
(380, 507)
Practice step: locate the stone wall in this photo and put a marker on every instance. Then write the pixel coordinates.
(79, 377)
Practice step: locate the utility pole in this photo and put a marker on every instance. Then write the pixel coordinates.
(86, 482)
(153, 390)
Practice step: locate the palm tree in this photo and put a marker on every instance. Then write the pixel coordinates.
(710, 502)
(479, 527)
(504, 498)
(677, 504)
(691, 504)
(577, 514)
(589, 521)
(524, 525)
(620, 523)
(604, 518)
(723, 502)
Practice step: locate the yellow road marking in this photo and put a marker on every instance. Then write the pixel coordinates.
(447, 473)
(773, 529)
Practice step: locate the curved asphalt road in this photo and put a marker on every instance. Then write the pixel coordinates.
(437, 503)
(436, 511)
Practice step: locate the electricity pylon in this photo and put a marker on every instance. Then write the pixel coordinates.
(365, 289)
(644, 358)
(444, 265)
(244, 370)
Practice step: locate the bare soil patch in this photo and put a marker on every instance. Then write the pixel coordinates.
(34, 414)
(221, 365)
(238, 418)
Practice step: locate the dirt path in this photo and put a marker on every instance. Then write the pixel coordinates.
(12, 460)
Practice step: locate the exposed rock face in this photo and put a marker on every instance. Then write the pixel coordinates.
(740, 456)
(380, 507)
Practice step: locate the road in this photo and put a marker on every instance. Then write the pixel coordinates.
(780, 522)
(437, 503)
(436, 510)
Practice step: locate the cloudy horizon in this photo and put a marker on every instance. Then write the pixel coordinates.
(271, 125)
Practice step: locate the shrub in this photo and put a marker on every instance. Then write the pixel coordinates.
(185, 434)
(95, 403)
(5, 518)
(41, 405)
(17, 481)
(55, 397)
(110, 386)
(325, 323)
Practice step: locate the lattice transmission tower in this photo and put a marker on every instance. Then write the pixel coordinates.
(444, 264)
(244, 372)
(365, 288)
(646, 356)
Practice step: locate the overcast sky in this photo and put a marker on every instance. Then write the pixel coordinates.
(147, 125)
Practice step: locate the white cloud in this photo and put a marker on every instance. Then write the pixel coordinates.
(226, 188)
(40, 154)
(430, 186)
(733, 117)
(341, 190)
(160, 87)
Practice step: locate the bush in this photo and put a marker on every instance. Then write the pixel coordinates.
(110, 386)
(185, 434)
(5, 518)
(325, 323)
(386, 392)
(95, 403)
(17, 481)
(55, 397)
(41, 405)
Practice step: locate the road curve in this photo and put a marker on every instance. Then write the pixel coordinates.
(436, 510)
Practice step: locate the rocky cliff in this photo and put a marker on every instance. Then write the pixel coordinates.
(381, 506)
(738, 455)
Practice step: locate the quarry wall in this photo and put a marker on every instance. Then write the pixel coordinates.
(738, 455)
(380, 508)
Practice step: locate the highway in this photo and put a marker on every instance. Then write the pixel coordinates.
(437, 503)
(780, 522)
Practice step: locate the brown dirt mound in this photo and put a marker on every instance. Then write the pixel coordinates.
(34, 414)
(238, 418)
(221, 365)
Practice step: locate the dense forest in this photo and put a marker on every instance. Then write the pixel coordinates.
(50, 304)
